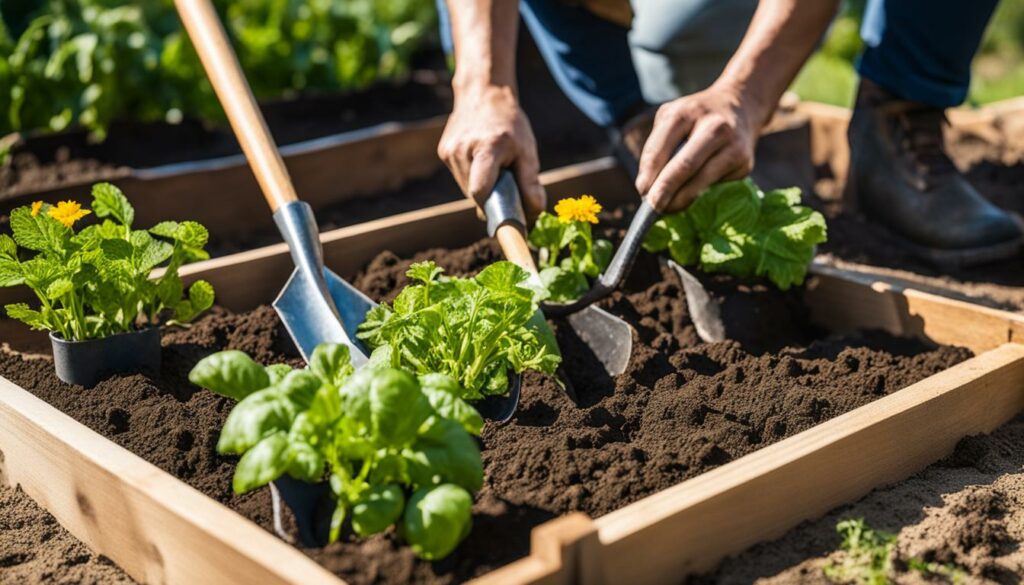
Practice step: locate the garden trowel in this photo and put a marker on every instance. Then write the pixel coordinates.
(316, 305)
(608, 337)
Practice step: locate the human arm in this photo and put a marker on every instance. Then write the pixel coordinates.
(487, 130)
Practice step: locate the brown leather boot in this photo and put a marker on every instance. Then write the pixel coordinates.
(901, 177)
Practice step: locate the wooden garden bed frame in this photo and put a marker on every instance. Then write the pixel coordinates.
(160, 530)
(222, 194)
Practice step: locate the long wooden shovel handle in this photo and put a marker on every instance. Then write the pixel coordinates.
(513, 245)
(221, 64)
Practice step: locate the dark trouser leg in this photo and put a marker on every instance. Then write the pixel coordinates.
(921, 50)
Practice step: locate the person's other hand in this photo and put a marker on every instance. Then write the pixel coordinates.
(697, 141)
(486, 132)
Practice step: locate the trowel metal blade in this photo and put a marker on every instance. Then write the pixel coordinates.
(610, 338)
(704, 312)
(312, 317)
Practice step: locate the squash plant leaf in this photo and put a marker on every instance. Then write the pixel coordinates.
(736, 228)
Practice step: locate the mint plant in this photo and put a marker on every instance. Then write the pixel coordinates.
(475, 330)
(568, 254)
(736, 228)
(396, 449)
(98, 281)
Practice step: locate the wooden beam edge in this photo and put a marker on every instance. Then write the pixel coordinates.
(617, 528)
(139, 481)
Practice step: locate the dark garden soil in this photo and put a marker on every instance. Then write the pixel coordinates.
(681, 409)
(965, 513)
(856, 242)
(34, 548)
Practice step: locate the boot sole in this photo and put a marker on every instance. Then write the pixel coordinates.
(945, 260)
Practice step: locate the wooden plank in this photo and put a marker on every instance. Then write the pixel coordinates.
(222, 193)
(555, 549)
(866, 302)
(689, 528)
(156, 528)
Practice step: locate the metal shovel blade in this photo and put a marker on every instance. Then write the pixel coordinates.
(312, 317)
(609, 337)
(316, 305)
(704, 311)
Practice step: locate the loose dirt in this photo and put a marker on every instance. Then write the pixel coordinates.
(682, 408)
(34, 548)
(965, 513)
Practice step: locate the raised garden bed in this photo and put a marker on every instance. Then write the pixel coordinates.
(961, 515)
(985, 144)
(681, 410)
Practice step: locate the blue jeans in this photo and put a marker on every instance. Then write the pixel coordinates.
(921, 50)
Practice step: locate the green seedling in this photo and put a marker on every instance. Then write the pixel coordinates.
(98, 281)
(396, 449)
(568, 253)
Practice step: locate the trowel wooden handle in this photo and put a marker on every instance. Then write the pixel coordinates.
(513, 244)
(221, 64)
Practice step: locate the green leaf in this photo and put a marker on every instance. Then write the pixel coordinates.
(32, 318)
(117, 249)
(165, 229)
(299, 386)
(153, 254)
(109, 201)
(41, 233)
(425, 272)
(59, 288)
(376, 509)
(443, 393)
(10, 273)
(445, 453)
(8, 247)
(258, 415)
(388, 402)
(201, 295)
(265, 462)
(230, 373)
(277, 372)
(436, 520)
(332, 362)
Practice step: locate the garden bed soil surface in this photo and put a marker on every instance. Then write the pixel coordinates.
(995, 169)
(965, 513)
(34, 548)
(682, 408)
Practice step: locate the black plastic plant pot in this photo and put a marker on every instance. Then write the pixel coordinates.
(313, 506)
(87, 362)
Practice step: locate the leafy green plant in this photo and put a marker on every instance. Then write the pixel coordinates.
(869, 557)
(867, 554)
(568, 253)
(95, 60)
(473, 329)
(736, 228)
(97, 282)
(395, 449)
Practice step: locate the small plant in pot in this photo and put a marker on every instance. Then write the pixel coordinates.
(98, 296)
(376, 448)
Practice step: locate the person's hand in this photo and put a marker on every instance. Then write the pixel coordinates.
(486, 132)
(697, 141)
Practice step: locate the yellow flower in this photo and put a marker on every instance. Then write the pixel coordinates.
(585, 208)
(68, 212)
(36, 206)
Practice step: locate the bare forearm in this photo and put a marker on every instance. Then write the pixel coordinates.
(781, 37)
(484, 32)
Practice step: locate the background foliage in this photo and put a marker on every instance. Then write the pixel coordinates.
(65, 62)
